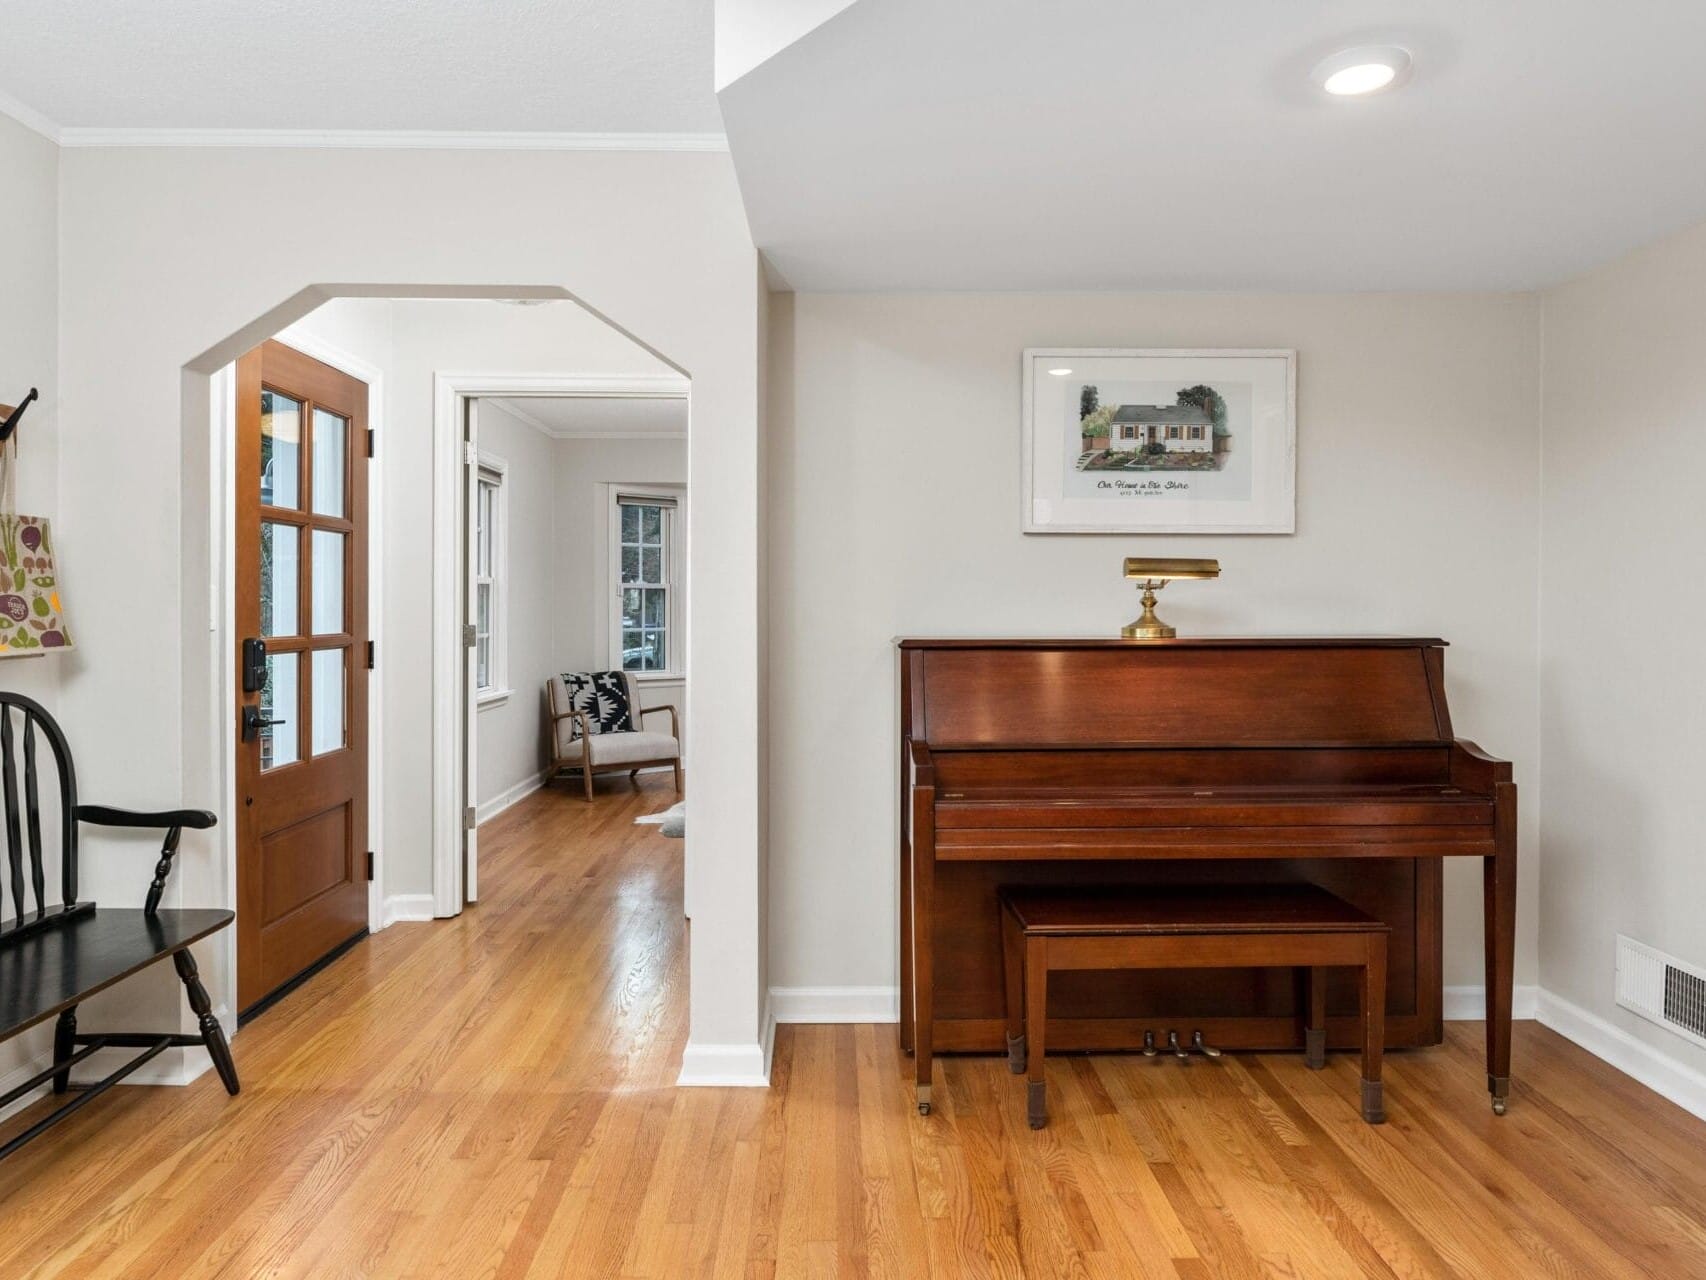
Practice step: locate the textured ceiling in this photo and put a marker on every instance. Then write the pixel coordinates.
(483, 65)
(1118, 144)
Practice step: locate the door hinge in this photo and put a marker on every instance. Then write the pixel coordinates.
(370, 864)
(372, 650)
(468, 635)
(468, 822)
(470, 454)
(370, 442)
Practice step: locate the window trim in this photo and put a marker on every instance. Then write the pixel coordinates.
(494, 471)
(675, 547)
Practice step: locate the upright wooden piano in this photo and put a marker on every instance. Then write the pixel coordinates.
(1189, 760)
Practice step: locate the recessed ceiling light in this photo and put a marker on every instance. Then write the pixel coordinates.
(1060, 373)
(1358, 72)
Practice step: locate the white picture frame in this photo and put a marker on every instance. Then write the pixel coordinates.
(1200, 440)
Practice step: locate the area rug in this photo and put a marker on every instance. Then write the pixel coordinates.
(671, 822)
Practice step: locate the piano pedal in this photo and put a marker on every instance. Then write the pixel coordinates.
(1178, 1050)
(1149, 1049)
(1203, 1046)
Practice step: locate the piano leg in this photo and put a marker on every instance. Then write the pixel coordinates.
(924, 942)
(1499, 913)
(1371, 1004)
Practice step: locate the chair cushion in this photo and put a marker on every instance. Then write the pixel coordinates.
(605, 696)
(620, 748)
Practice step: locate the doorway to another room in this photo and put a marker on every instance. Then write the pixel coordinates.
(414, 559)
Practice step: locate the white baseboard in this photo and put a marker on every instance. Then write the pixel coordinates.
(1469, 1004)
(405, 906)
(1636, 1059)
(882, 1004)
(744, 1066)
(179, 1065)
(505, 798)
(836, 1004)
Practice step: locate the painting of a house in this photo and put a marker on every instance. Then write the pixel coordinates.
(1177, 428)
(1139, 435)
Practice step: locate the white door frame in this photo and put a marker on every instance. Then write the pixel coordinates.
(222, 535)
(451, 798)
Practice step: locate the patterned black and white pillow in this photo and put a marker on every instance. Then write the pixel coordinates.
(603, 695)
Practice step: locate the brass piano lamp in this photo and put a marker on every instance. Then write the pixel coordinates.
(1155, 574)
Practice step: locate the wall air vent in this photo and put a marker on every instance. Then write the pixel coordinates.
(1662, 989)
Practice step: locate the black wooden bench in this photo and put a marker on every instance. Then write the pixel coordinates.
(53, 957)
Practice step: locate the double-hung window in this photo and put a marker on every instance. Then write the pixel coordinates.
(490, 574)
(646, 564)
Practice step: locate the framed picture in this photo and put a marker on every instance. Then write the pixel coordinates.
(1143, 441)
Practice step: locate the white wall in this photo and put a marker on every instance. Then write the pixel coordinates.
(29, 357)
(171, 267)
(894, 496)
(29, 354)
(1622, 616)
(510, 732)
(585, 470)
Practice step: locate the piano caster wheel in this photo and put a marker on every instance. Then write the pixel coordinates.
(1149, 1049)
(923, 1099)
(923, 1108)
(1175, 1048)
(1202, 1046)
(1499, 1087)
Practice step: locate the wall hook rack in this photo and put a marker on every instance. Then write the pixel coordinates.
(12, 413)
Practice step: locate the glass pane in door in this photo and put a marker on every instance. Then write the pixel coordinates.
(330, 435)
(281, 548)
(329, 699)
(281, 450)
(328, 593)
(279, 702)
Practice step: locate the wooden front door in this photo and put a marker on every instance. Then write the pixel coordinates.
(301, 716)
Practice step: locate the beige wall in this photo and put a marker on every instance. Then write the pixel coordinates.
(29, 357)
(893, 475)
(1622, 616)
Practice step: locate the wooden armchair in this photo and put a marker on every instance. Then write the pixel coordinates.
(578, 744)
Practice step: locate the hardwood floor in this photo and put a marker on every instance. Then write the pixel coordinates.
(493, 1097)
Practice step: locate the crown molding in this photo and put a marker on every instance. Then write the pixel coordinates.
(377, 139)
(30, 118)
(558, 386)
(514, 389)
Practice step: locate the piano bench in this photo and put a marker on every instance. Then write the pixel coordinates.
(1166, 927)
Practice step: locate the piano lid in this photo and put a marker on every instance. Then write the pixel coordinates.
(1175, 642)
(1202, 691)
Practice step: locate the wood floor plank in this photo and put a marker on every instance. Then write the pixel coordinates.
(493, 1096)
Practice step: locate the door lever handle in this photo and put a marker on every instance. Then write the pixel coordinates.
(253, 723)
